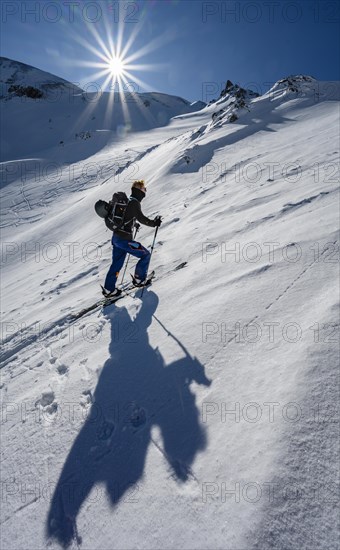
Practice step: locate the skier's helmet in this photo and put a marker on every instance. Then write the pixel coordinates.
(102, 208)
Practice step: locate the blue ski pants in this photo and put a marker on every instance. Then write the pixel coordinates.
(121, 247)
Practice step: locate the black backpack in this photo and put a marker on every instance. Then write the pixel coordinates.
(117, 209)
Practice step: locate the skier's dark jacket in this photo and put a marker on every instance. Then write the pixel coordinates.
(133, 212)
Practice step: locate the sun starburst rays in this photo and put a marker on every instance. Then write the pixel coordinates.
(115, 62)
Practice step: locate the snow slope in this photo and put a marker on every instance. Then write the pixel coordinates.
(203, 415)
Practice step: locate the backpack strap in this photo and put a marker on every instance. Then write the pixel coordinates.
(131, 198)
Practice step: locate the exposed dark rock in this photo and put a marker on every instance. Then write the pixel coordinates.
(28, 91)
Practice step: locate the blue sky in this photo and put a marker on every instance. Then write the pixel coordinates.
(193, 46)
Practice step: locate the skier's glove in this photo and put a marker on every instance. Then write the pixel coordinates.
(157, 221)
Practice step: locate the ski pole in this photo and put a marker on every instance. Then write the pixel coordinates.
(152, 247)
(128, 258)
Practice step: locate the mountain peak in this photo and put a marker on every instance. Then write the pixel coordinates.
(232, 98)
(19, 79)
(237, 91)
(295, 83)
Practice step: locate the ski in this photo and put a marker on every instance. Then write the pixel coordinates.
(100, 303)
(150, 278)
(104, 302)
(148, 281)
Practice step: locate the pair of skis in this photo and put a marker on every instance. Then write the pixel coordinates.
(127, 291)
(104, 302)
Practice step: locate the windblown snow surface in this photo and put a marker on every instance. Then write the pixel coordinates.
(204, 414)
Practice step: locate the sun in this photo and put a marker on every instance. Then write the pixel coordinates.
(113, 60)
(116, 66)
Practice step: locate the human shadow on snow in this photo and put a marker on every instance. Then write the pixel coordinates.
(136, 390)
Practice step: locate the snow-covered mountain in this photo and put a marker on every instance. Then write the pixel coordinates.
(49, 113)
(203, 415)
(17, 78)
